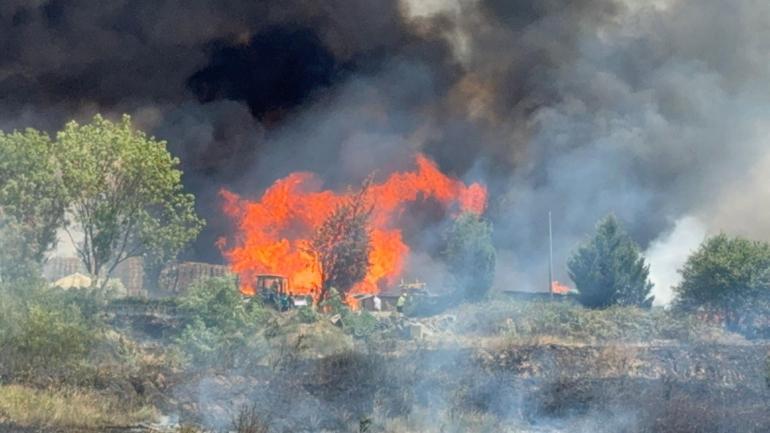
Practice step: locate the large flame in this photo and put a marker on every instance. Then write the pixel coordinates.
(273, 234)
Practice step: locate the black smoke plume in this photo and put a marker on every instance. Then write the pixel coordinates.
(651, 110)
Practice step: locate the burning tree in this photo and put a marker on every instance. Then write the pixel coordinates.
(343, 242)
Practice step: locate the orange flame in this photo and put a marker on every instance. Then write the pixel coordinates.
(273, 234)
(559, 288)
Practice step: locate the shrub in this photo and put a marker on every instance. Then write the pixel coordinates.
(307, 314)
(609, 270)
(46, 342)
(248, 420)
(470, 255)
(563, 320)
(220, 323)
(359, 323)
(218, 303)
(731, 277)
(203, 345)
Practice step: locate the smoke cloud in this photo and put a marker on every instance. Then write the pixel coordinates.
(651, 110)
(667, 254)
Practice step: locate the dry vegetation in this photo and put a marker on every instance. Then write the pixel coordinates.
(502, 366)
(569, 323)
(68, 408)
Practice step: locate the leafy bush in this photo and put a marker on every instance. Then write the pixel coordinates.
(47, 343)
(203, 345)
(44, 334)
(220, 322)
(359, 323)
(609, 270)
(307, 314)
(470, 255)
(218, 303)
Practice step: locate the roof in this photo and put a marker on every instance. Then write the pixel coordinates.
(73, 280)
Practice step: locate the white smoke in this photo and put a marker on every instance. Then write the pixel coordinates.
(668, 253)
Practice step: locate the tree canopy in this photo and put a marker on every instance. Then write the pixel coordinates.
(17, 265)
(470, 255)
(727, 275)
(609, 269)
(32, 196)
(125, 194)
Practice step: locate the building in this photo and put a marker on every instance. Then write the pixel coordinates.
(177, 277)
(130, 272)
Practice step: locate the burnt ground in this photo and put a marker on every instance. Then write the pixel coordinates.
(637, 388)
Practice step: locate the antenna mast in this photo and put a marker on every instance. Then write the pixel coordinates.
(550, 255)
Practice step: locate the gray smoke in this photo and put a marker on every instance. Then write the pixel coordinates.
(650, 110)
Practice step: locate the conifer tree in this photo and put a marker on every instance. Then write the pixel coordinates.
(609, 269)
(470, 255)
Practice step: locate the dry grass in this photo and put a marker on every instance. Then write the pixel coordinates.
(572, 324)
(70, 408)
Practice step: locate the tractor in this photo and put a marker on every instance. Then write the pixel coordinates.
(274, 290)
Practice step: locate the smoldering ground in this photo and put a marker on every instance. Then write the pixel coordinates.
(650, 110)
(521, 388)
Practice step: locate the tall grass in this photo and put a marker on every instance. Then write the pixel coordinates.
(68, 408)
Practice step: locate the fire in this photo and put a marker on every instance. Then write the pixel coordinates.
(559, 288)
(273, 234)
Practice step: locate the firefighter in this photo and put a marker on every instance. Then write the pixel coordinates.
(401, 302)
(286, 302)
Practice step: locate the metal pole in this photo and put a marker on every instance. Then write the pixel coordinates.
(550, 255)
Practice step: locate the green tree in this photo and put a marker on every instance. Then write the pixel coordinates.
(18, 266)
(470, 255)
(32, 196)
(126, 195)
(343, 242)
(609, 269)
(729, 276)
